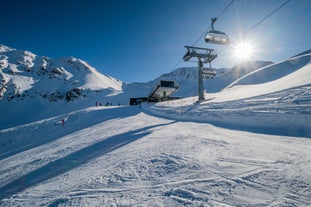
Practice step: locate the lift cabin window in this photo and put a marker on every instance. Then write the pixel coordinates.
(167, 84)
(217, 37)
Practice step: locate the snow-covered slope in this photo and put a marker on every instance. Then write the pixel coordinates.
(47, 86)
(247, 145)
(121, 156)
(274, 99)
(292, 73)
(25, 75)
(50, 87)
(187, 78)
(275, 71)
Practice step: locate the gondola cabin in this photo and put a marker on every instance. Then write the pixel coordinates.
(217, 37)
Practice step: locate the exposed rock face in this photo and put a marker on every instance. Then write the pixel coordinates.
(26, 75)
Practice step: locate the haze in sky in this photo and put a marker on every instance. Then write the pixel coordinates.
(138, 40)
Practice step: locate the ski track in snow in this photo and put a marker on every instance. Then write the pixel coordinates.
(248, 145)
(136, 159)
(285, 112)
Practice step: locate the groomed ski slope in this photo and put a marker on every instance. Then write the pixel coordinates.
(247, 150)
(131, 158)
(281, 106)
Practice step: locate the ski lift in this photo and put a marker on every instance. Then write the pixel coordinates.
(216, 37)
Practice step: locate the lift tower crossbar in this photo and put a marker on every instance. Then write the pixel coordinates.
(203, 55)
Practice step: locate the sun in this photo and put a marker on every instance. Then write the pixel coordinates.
(243, 51)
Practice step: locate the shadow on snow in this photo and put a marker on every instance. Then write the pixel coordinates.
(283, 113)
(25, 137)
(76, 159)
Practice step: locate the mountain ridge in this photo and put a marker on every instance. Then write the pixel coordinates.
(52, 79)
(57, 86)
(24, 74)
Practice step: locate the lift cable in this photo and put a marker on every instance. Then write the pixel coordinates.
(221, 13)
(266, 17)
(261, 21)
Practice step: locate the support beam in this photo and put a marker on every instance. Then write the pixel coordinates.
(200, 80)
(203, 55)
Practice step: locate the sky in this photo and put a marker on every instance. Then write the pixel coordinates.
(139, 40)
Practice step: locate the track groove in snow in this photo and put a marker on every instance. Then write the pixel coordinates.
(170, 154)
(154, 161)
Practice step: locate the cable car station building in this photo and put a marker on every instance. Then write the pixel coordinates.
(161, 92)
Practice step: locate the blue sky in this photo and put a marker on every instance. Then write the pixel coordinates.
(138, 40)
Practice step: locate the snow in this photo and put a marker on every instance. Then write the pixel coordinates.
(31, 83)
(93, 79)
(285, 112)
(4, 48)
(128, 157)
(52, 75)
(274, 72)
(23, 82)
(281, 106)
(246, 145)
(297, 78)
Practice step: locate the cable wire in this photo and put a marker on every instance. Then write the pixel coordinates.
(247, 31)
(261, 21)
(221, 13)
(266, 17)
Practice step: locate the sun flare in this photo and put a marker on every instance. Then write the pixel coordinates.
(243, 51)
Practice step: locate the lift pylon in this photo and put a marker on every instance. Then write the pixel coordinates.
(203, 55)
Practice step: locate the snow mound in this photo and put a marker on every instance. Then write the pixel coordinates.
(274, 100)
(273, 72)
(298, 78)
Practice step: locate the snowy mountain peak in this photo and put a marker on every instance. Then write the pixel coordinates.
(28, 80)
(95, 79)
(26, 75)
(221, 152)
(77, 64)
(191, 73)
(187, 77)
(4, 48)
(181, 74)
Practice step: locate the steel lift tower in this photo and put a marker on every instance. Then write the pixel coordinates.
(205, 55)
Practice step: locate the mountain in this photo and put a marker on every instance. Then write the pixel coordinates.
(246, 145)
(47, 86)
(25, 75)
(187, 78)
(275, 99)
(57, 86)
